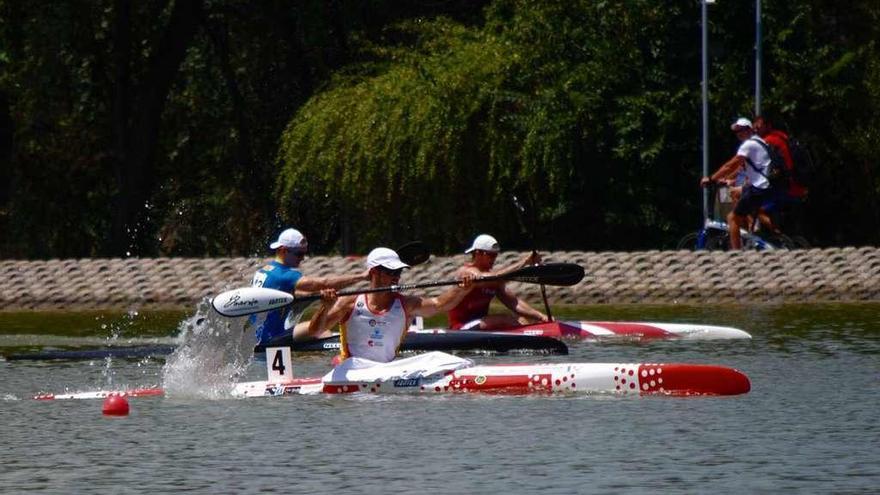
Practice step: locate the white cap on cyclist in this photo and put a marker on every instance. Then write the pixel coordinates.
(741, 123)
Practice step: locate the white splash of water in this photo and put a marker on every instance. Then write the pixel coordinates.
(214, 352)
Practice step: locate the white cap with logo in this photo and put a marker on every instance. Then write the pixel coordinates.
(484, 242)
(741, 123)
(290, 238)
(385, 257)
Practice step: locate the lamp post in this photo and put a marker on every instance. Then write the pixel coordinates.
(758, 57)
(705, 88)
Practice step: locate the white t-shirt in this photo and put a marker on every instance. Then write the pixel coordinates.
(753, 152)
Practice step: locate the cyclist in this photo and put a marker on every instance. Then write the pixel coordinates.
(753, 159)
(794, 194)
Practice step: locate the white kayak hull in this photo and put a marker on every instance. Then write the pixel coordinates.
(606, 330)
(438, 372)
(677, 379)
(685, 331)
(582, 378)
(103, 394)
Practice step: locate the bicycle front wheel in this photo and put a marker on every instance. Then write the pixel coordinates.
(689, 242)
(713, 241)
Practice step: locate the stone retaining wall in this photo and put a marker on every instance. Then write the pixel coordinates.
(655, 277)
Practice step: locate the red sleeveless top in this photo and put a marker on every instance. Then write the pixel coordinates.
(474, 305)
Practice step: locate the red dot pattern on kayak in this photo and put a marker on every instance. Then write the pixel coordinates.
(644, 379)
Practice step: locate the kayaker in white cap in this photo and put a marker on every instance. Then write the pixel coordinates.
(374, 325)
(283, 273)
(472, 313)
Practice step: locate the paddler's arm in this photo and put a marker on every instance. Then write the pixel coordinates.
(330, 312)
(314, 284)
(519, 306)
(429, 306)
(530, 259)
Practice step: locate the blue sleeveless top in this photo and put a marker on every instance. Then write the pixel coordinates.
(277, 276)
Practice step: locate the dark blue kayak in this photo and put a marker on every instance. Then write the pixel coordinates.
(447, 341)
(451, 341)
(139, 351)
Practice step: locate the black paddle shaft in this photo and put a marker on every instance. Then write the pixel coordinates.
(559, 274)
(532, 232)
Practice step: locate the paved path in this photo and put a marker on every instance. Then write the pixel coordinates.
(655, 277)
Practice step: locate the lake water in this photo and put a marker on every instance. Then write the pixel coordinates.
(811, 423)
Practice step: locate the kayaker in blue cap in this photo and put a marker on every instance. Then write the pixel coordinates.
(283, 273)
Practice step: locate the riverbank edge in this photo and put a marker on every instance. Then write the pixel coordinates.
(642, 277)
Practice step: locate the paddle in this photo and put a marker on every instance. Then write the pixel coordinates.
(252, 300)
(413, 253)
(521, 210)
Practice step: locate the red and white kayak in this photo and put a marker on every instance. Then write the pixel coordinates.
(438, 372)
(103, 394)
(599, 330)
(411, 375)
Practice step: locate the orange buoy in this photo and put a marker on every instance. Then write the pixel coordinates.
(115, 405)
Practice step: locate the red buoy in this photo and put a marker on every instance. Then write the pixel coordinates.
(115, 405)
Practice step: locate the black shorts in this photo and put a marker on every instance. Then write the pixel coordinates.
(751, 200)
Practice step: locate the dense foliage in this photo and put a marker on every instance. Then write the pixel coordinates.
(201, 128)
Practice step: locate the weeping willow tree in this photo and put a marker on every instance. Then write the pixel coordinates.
(432, 140)
(591, 107)
(388, 150)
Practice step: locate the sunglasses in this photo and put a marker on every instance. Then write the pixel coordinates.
(390, 272)
(487, 253)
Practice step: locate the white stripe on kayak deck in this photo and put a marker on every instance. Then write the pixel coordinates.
(595, 330)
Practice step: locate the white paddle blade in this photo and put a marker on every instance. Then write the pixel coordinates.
(250, 300)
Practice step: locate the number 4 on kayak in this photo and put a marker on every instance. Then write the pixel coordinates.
(279, 366)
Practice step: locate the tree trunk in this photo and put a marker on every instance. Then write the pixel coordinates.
(250, 199)
(6, 132)
(137, 117)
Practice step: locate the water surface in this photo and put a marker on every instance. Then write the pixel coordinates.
(809, 425)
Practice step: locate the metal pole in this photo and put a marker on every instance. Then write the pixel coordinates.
(705, 85)
(758, 57)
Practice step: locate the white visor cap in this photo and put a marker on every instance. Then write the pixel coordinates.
(484, 242)
(385, 257)
(290, 238)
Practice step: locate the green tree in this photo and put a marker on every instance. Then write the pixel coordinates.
(144, 128)
(166, 127)
(575, 102)
(592, 106)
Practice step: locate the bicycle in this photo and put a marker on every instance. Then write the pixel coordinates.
(715, 234)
